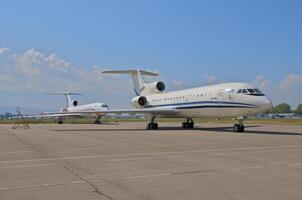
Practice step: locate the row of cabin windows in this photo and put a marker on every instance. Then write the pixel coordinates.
(180, 97)
(243, 91)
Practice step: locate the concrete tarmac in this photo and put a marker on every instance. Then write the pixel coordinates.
(124, 161)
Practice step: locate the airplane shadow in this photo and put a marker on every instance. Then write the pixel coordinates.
(225, 129)
(247, 131)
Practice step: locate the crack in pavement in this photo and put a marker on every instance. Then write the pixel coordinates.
(96, 189)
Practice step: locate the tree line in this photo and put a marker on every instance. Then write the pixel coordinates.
(285, 108)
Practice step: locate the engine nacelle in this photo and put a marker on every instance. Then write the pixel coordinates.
(155, 87)
(139, 101)
(74, 103)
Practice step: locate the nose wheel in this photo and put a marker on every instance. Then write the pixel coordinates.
(239, 127)
(59, 121)
(189, 124)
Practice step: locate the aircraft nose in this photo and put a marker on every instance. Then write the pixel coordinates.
(266, 104)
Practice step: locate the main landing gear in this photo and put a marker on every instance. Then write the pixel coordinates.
(189, 124)
(59, 121)
(239, 127)
(97, 120)
(152, 124)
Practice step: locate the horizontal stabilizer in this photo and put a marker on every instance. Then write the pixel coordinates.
(62, 93)
(131, 72)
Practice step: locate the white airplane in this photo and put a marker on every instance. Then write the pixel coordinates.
(237, 100)
(72, 108)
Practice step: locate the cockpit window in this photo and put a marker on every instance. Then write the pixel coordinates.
(251, 91)
(254, 92)
(258, 91)
(105, 106)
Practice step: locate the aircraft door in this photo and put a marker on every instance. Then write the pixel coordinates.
(228, 94)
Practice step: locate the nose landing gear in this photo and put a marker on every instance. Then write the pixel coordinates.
(239, 127)
(59, 121)
(189, 124)
(97, 120)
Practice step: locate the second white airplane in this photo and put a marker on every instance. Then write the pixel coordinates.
(236, 100)
(72, 108)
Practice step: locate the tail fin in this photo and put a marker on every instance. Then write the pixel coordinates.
(137, 78)
(67, 96)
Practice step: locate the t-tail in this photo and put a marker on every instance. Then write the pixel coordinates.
(141, 88)
(69, 101)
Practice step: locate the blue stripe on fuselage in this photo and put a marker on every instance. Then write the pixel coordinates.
(217, 106)
(202, 102)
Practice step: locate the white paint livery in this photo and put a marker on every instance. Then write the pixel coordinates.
(72, 108)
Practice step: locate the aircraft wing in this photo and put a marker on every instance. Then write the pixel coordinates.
(48, 115)
(151, 111)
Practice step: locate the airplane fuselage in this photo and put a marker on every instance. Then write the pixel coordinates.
(88, 107)
(220, 100)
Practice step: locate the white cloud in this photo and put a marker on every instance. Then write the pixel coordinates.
(37, 71)
(4, 77)
(178, 84)
(211, 79)
(262, 82)
(286, 90)
(291, 82)
(3, 50)
(32, 61)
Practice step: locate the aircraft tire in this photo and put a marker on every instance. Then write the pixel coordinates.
(238, 128)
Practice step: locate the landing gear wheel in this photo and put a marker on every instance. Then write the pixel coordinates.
(189, 124)
(152, 125)
(239, 128)
(97, 122)
(60, 122)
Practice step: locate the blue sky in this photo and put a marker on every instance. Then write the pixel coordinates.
(188, 42)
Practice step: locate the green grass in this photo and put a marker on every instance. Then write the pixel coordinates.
(176, 120)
